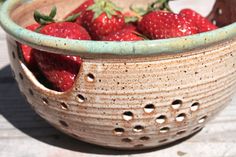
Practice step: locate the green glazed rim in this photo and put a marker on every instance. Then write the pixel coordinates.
(77, 47)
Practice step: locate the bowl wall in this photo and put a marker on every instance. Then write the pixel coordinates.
(136, 103)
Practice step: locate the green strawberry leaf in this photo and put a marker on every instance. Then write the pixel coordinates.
(53, 12)
(72, 18)
(129, 19)
(43, 22)
(140, 35)
(41, 18)
(97, 14)
(37, 16)
(104, 6)
(155, 6)
(39, 29)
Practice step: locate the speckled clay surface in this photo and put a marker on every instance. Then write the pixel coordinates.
(136, 102)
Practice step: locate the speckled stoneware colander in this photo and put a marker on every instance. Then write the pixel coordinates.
(129, 95)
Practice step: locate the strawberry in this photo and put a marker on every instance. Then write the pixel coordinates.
(60, 70)
(130, 27)
(68, 30)
(126, 34)
(102, 18)
(201, 22)
(159, 21)
(26, 51)
(30, 61)
(163, 24)
(81, 9)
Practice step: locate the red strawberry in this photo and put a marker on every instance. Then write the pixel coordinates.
(122, 35)
(163, 24)
(26, 50)
(58, 69)
(102, 18)
(126, 34)
(68, 30)
(201, 22)
(61, 70)
(130, 27)
(81, 9)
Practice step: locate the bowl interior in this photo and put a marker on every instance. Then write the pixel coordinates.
(23, 14)
(222, 14)
(15, 13)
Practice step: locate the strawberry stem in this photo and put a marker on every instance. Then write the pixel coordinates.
(53, 12)
(162, 5)
(155, 6)
(140, 35)
(131, 19)
(43, 19)
(104, 6)
(39, 29)
(72, 18)
(139, 11)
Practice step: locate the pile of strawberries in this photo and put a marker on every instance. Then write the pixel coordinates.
(102, 20)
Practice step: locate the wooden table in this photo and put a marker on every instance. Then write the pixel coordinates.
(24, 134)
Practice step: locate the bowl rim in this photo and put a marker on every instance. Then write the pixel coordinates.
(76, 47)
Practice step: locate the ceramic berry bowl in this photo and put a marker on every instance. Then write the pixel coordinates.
(129, 95)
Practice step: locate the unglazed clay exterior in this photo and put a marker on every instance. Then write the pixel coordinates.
(131, 103)
(136, 102)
